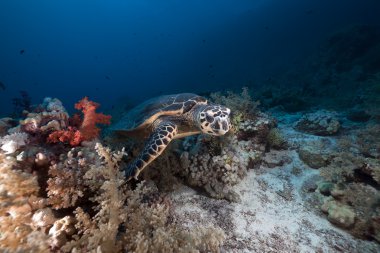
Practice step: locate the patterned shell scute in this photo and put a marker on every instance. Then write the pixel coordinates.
(145, 113)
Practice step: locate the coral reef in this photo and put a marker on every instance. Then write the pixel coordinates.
(350, 168)
(28, 223)
(76, 199)
(41, 184)
(354, 194)
(81, 129)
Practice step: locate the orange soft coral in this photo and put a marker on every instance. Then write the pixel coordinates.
(81, 129)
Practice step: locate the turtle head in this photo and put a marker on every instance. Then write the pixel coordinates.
(214, 119)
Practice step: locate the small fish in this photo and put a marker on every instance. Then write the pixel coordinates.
(22, 51)
(2, 86)
(108, 78)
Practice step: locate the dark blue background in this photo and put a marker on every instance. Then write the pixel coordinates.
(131, 50)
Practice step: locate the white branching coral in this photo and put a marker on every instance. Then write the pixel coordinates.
(122, 219)
(100, 232)
(135, 220)
(12, 142)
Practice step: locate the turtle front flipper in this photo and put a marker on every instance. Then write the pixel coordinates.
(156, 144)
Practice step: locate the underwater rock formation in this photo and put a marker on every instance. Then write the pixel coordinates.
(315, 154)
(319, 123)
(350, 189)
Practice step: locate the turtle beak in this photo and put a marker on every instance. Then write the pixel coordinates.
(223, 125)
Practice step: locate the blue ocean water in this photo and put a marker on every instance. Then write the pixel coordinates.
(284, 136)
(131, 50)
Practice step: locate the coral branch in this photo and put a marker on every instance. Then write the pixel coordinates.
(81, 130)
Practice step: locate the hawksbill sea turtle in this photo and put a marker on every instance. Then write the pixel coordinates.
(168, 117)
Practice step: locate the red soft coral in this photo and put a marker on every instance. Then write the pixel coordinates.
(81, 129)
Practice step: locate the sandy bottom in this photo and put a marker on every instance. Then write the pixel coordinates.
(273, 215)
